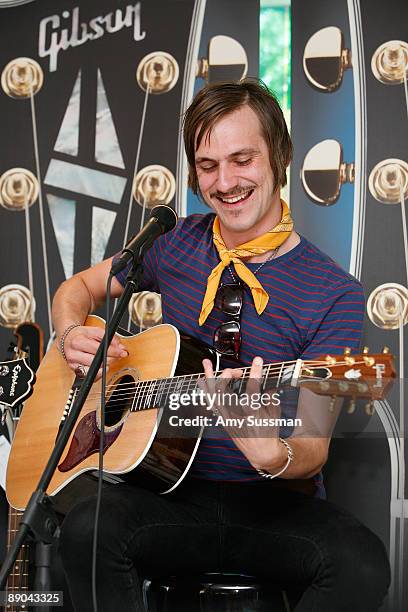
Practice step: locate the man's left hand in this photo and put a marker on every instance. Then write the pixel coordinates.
(263, 452)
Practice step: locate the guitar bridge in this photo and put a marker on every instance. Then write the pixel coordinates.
(68, 405)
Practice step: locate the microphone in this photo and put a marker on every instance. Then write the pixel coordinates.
(162, 220)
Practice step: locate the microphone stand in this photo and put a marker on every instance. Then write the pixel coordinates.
(39, 518)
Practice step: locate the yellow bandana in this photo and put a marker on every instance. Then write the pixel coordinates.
(271, 240)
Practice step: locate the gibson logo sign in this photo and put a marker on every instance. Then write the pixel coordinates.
(53, 38)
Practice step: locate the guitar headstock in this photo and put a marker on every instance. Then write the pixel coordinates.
(16, 382)
(353, 376)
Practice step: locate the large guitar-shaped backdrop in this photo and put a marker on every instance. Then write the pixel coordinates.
(92, 97)
(348, 193)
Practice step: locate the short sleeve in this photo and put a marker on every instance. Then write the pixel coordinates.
(150, 268)
(337, 322)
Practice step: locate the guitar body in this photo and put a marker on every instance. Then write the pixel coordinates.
(138, 442)
(132, 439)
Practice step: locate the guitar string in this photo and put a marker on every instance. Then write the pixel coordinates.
(145, 388)
(135, 169)
(147, 394)
(276, 368)
(28, 246)
(21, 570)
(21, 560)
(21, 576)
(17, 580)
(404, 222)
(10, 537)
(143, 205)
(170, 380)
(12, 584)
(41, 209)
(139, 146)
(402, 195)
(129, 324)
(24, 559)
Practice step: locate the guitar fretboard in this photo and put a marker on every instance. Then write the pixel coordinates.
(156, 393)
(17, 580)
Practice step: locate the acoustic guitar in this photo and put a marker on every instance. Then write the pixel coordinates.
(29, 347)
(161, 361)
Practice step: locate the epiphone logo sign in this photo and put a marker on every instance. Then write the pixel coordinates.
(59, 33)
(14, 379)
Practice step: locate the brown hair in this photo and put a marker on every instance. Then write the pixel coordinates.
(217, 100)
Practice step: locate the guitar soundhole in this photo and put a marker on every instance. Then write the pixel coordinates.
(120, 400)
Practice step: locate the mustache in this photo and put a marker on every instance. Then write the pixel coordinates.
(235, 191)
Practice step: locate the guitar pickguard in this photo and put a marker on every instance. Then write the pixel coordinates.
(85, 442)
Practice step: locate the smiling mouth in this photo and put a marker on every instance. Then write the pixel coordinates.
(235, 199)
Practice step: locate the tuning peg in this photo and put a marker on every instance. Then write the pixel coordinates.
(387, 304)
(226, 59)
(153, 185)
(368, 361)
(351, 407)
(362, 387)
(332, 403)
(330, 360)
(343, 386)
(369, 409)
(157, 72)
(325, 58)
(386, 350)
(347, 356)
(389, 62)
(323, 172)
(22, 78)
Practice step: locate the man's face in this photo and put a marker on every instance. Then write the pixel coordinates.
(235, 176)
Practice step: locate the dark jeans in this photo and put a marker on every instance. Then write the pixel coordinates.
(281, 536)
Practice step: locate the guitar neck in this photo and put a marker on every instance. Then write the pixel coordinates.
(315, 373)
(17, 580)
(157, 392)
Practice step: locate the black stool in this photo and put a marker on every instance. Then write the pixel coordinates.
(212, 592)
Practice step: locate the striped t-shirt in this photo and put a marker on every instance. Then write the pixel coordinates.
(314, 308)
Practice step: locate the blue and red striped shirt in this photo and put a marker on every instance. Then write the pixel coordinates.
(315, 308)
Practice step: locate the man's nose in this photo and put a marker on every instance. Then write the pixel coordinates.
(226, 178)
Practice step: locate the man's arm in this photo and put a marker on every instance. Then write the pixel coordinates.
(73, 301)
(337, 324)
(310, 443)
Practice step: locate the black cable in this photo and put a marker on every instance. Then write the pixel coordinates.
(101, 446)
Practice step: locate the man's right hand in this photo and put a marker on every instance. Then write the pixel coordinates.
(81, 344)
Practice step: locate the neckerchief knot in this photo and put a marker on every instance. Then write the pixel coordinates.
(267, 242)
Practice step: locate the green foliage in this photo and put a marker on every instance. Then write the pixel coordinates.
(274, 56)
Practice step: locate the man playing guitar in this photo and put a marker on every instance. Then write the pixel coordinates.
(243, 280)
